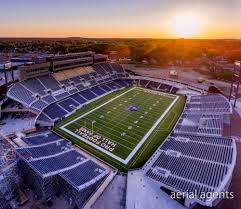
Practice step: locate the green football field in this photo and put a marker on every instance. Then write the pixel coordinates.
(120, 125)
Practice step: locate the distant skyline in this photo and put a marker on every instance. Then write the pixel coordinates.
(214, 19)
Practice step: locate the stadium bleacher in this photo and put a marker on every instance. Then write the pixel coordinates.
(41, 138)
(51, 89)
(208, 104)
(87, 94)
(20, 93)
(81, 84)
(35, 86)
(77, 97)
(69, 104)
(49, 159)
(49, 82)
(49, 99)
(54, 111)
(83, 173)
(97, 90)
(195, 157)
(203, 124)
(39, 104)
(51, 148)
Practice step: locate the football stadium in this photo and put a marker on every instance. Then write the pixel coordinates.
(76, 122)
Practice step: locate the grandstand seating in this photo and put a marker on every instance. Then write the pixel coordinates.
(195, 157)
(68, 104)
(65, 82)
(56, 163)
(101, 71)
(83, 173)
(112, 85)
(86, 77)
(25, 91)
(209, 104)
(87, 94)
(121, 83)
(41, 138)
(44, 119)
(49, 99)
(105, 87)
(200, 124)
(50, 159)
(77, 97)
(61, 96)
(174, 90)
(165, 87)
(143, 83)
(51, 148)
(117, 68)
(76, 79)
(153, 85)
(73, 90)
(35, 86)
(49, 82)
(179, 160)
(97, 90)
(39, 104)
(86, 83)
(20, 93)
(54, 111)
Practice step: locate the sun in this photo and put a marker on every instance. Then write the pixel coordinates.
(186, 25)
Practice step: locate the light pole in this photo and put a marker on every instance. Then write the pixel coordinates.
(235, 82)
(92, 123)
(7, 66)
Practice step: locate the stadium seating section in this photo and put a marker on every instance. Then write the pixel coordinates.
(195, 144)
(49, 158)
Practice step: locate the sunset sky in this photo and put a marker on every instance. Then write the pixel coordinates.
(121, 18)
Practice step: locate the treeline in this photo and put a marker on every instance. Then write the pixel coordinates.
(162, 51)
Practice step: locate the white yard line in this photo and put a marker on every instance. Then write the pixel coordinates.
(97, 107)
(150, 131)
(124, 161)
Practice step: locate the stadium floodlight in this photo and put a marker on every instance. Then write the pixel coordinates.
(234, 90)
(92, 125)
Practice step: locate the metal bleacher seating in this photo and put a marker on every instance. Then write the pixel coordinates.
(21, 94)
(54, 111)
(35, 86)
(87, 94)
(77, 97)
(44, 150)
(41, 138)
(49, 99)
(49, 82)
(98, 91)
(69, 104)
(49, 159)
(195, 157)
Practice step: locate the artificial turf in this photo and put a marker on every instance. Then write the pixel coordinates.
(119, 129)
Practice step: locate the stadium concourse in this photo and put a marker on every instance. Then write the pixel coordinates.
(194, 157)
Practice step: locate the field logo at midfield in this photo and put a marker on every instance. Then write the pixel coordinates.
(133, 108)
(96, 139)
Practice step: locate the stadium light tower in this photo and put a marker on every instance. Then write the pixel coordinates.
(234, 90)
(92, 124)
(7, 67)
